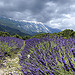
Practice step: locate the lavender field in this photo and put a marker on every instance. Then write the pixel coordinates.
(37, 37)
(49, 55)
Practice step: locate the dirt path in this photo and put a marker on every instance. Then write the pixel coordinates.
(10, 67)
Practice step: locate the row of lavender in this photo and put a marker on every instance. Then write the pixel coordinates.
(48, 56)
(9, 46)
(44, 56)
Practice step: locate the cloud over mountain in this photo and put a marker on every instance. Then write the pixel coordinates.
(56, 13)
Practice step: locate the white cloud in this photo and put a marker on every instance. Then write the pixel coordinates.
(32, 22)
(67, 15)
(1, 4)
(63, 23)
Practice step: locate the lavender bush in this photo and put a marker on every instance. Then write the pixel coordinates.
(9, 46)
(48, 56)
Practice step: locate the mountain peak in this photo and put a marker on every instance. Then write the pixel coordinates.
(29, 27)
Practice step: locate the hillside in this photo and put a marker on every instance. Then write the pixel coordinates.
(12, 31)
(27, 27)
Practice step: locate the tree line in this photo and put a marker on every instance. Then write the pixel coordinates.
(67, 33)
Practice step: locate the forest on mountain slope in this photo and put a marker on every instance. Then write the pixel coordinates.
(67, 33)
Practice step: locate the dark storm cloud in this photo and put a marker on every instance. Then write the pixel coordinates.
(8, 6)
(38, 10)
(22, 5)
(36, 7)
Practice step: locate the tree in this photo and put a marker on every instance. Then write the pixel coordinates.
(4, 34)
(17, 36)
(26, 37)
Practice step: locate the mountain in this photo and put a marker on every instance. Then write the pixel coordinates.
(33, 26)
(27, 27)
(11, 31)
(53, 30)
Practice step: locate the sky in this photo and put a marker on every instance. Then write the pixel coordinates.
(54, 13)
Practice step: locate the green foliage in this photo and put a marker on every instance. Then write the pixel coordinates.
(43, 35)
(65, 33)
(4, 34)
(72, 34)
(26, 37)
(17, 36)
